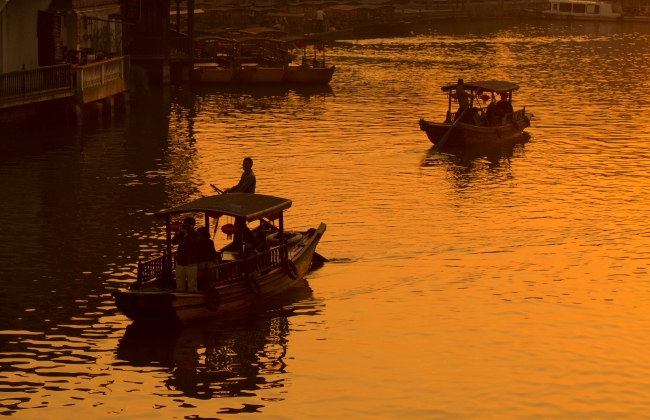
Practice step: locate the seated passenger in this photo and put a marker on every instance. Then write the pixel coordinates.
(205, 250)
(504, 108)
(491, 111)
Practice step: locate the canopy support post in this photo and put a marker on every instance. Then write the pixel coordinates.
(168, 249)
(449, 109)
(207, 221)
(285, 253)
(241, 224)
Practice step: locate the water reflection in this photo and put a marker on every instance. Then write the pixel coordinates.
(229, 357)
(483, 165)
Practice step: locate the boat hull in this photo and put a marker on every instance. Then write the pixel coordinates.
(383, 29)
(259, 75)
(466, 135)
(212, 75)
(160, 305)
(305, 74)
(541, 14)
(332, 35)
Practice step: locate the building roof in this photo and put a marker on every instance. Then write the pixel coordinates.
(250, 206)
(85, 5)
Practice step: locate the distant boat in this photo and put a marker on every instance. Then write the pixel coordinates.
(475, 128)
(314, 70)
(239, 279)
(578, 10)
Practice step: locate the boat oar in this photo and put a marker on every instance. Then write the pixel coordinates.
(444, 138)
(216, 189)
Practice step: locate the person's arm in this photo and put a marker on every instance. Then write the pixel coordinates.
(178, 237)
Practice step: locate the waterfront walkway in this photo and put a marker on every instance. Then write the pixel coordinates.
(83, 85)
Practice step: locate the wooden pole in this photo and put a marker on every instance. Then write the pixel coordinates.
(240, 223)
(165, 5)
(168, 237)
(207, 221)
(281, 234)
(190, 29)
(178, 16)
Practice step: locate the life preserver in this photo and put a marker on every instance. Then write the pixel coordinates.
(291, 269)
(212, 299)
(254, 286)
(293, 239)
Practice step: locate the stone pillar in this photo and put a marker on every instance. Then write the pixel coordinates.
(166, 72)
(185, 70)
(110, 104)
(99, 108)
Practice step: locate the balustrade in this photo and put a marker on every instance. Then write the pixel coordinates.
(40, 80)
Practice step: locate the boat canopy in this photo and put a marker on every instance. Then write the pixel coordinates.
(250, 206)
(495, 86)
(304, 40)
(262, 30)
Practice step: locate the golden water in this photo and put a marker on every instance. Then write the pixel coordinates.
(499, 283)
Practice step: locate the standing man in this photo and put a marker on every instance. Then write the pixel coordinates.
(187, 240)
(320, 19)
(247, 181)
(463, 99)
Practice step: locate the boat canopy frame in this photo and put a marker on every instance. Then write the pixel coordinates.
(249, 206)
(496, 86)
(244, 207)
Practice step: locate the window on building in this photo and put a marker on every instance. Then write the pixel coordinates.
(565, 7)
(579, 8)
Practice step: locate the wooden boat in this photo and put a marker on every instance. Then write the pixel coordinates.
(240, 279)
(332, 35)
(589, 10)
(211, 73)
(256, 60)
(309, 70)
(477, 130)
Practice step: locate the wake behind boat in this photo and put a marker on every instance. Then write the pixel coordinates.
(479, 126)
(241, 277)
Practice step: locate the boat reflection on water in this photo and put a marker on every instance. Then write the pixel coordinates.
(229, 357)
(466, 165)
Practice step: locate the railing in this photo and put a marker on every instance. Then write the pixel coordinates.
(264, 260)
(154, 268)
(100, 73)
(227, 272)
(20, 84)
(155, 47)
(519, 115)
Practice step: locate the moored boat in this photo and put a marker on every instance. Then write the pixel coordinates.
(590, 10)
(240, 278)
(211, 73)
(312, 70)
(256, 60)
(476, 128)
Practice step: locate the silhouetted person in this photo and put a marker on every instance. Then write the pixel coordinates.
(504, 108)
(205, 250)
(187, 240)
(247, 181)
(463, 99)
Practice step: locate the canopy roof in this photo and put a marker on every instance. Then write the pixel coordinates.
(252, 39)
(286, 15)
(250, 206)
(304, 40)
(262, 30)
(349, 8)
(495, 86)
